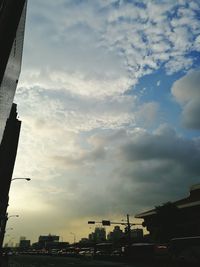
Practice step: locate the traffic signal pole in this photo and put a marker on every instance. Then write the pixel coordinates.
(128, 225)
(128, 230)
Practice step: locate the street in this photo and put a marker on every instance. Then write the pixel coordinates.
(50, 261)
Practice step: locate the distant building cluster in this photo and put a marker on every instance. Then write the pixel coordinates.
(99, 235)
(45, 242)
(115, 236)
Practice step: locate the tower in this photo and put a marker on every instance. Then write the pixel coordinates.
(12, 25)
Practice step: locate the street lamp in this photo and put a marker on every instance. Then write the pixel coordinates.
(16, 215)
(74, 238)
(27, 179)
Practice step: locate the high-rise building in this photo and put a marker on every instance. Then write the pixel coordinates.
(116, 235)
(8, 151)
(99, 235)
(12, 25)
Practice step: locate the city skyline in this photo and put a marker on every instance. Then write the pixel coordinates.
(98, 234)
(109, 102)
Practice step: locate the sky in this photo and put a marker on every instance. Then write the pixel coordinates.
(109, 101)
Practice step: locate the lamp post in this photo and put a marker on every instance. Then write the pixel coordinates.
(16, 215)
(74, 238)
(3, 213)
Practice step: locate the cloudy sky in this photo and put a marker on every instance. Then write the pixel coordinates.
(109, 101)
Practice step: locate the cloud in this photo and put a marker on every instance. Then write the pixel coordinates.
(61, 110)
(109, 46)
(83, 140)
(105, 173)
(155, 168)
(148, 41)
(160, 165)
(187, 93)
(99, 85)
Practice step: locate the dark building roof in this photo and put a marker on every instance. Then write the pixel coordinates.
(192, 200)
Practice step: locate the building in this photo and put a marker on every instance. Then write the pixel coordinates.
(116, 235)
(99, 235)
(188, 216)
(137, 234)
(45, 241)
(24, 244)
(49, 242)
(48, 238)
(12, 25)
(8, 151)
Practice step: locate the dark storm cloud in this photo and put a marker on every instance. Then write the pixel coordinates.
(164, 144)
(187, 93)
(147, 169)
(155, 168)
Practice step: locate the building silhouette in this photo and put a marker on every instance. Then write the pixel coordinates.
(8, 151)
(179, 219)
(99, 235)
(48, 238)
(12, 24)
(49, 242)
(137, 234)
(116, 235)
(24, 244)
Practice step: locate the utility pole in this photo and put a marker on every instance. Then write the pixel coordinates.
(127, 224)
(128, 230)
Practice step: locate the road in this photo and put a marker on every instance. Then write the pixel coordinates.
(50, 261)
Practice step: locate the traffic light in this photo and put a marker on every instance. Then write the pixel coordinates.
(91, 222)
(106, 223)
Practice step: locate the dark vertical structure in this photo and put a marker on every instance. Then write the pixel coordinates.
(8, 151)
(12, 25)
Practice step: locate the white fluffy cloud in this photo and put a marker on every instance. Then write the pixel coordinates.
(187, 93)
(92, 47)
(148, 41)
